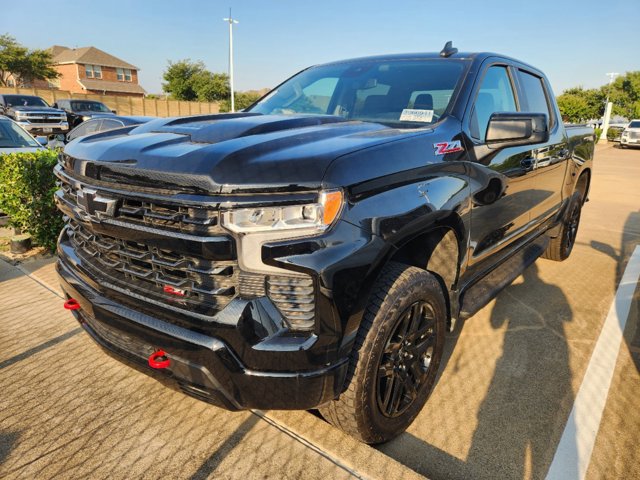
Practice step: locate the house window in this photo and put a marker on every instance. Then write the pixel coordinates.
(123, 74)
(93, 71)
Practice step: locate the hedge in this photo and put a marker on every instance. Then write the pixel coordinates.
(27, 185)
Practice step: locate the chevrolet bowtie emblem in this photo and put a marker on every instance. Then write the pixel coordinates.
(96, 205)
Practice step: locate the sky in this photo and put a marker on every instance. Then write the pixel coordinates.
(573, 42)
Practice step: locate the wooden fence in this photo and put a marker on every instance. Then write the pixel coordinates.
(124, 105)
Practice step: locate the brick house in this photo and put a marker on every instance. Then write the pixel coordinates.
(91, 70)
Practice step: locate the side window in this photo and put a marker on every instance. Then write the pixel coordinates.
(109, 124)
(495, 95)
(85, 128)
(534, 96)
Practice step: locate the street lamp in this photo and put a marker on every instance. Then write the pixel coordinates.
(612, 76)
(231, 21)
(607, 110)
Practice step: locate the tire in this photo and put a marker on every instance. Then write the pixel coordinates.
(560, 248)
(391, 374)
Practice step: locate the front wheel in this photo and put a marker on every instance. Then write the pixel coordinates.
(395, 357)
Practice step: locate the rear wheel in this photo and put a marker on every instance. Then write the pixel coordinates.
(560, 248)
(396, 356)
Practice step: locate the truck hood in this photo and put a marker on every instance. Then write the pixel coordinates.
(227, 153)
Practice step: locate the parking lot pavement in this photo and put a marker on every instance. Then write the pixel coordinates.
(499, 409)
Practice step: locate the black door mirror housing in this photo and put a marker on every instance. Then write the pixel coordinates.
(516, 128)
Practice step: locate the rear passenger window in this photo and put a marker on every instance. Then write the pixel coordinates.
(535, 100)
(495, 95)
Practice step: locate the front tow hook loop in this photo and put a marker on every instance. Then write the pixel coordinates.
(72, 304)
(159, 359)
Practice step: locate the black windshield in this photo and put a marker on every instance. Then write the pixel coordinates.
(85, 106)
(409, 93)
(24, 101)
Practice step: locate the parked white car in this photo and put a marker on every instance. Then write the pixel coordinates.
(631, 135)
(14, 138)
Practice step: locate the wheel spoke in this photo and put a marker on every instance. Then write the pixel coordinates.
(418, 349)
(388, 392)
(392, 348)
(385, 370)
(422, 330)
(396, 396)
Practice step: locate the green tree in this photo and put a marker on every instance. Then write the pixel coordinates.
(578, 105)
(242, 100)
(211, 87)
(25, 65)
(625, 95)
(188, 80)
(179, 78)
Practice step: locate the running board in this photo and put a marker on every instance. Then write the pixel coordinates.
(480, 293)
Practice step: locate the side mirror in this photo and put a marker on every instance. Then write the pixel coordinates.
(513, 129)
(42, 141)
(113, 111)
(61, 137)
(55, 105)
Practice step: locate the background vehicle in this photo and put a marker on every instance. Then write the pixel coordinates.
(313, 250)
(13, 138)
(79, 111)
(95, 125)
(33, 114)
(631, 135)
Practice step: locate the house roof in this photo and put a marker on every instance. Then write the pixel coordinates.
(87, 55)
(106, 86)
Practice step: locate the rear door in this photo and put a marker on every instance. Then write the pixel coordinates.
(549, 160)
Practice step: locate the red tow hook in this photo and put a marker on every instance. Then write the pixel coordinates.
(159, 359)
(72, 304)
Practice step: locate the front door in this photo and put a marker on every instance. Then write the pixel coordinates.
(502, 180)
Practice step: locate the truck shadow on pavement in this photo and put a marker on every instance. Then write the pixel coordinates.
(630, 239)
(522, 417)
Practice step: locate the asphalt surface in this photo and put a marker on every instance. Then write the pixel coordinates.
(500, 406)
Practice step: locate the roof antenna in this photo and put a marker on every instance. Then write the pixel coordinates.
(448, 50)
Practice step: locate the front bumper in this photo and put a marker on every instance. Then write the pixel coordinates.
(630, 141)
(201, 365)
(44, 128)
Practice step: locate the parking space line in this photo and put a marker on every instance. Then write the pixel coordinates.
(573, 455)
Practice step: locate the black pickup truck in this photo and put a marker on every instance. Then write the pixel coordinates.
(312, 251)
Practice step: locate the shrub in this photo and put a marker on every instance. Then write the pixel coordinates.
(613, 134)
(598, 132)
(27, 185)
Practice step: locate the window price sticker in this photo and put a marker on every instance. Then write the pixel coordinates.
(415, 115)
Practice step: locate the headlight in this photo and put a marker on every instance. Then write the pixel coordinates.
(85, 118)
(21, 115)
(313, 216)
(625, 134)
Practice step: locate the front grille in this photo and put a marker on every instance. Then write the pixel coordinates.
(45, 120)
(157, 214)
(196, 284)
(634, 135)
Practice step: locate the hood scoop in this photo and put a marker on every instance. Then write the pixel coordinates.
(216, 132)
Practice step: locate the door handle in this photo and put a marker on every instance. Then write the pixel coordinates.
(527, 163)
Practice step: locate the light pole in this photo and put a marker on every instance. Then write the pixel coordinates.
(231, 21)
(607, 109)
(612, 76)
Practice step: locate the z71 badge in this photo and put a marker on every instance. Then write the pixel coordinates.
(443, 148)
